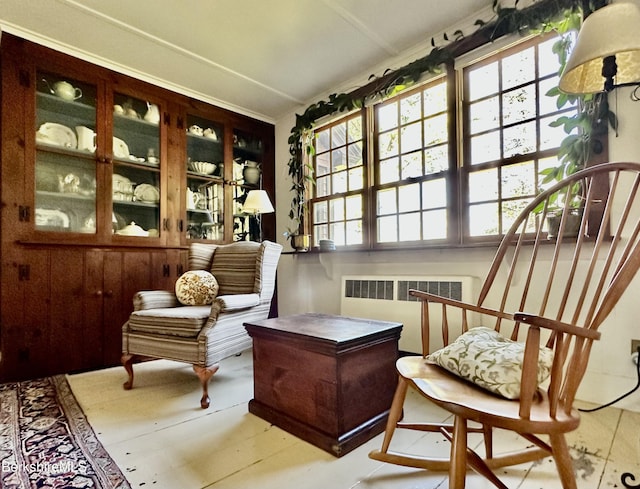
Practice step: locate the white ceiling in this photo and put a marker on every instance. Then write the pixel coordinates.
(264, 58)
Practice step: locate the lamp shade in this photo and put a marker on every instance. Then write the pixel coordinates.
(613, 30)
(257, 202)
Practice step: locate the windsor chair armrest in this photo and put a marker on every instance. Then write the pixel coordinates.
(426, 296)
(559, 326)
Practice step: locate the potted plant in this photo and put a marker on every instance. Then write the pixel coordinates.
(584, 130)
(301, 173)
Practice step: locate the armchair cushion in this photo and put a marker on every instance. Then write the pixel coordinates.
(489, 360)
(237, 301)
(196, 288)
(185, 321)
(235, 267)
(154, 299)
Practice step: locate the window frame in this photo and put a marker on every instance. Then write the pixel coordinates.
(457, 174)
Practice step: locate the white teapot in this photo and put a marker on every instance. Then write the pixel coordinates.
(64, 90)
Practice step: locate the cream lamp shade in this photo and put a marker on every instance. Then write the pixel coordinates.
(257, 202)
(607, 51)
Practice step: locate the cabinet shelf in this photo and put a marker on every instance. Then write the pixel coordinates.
(134, 125)
(71, 108)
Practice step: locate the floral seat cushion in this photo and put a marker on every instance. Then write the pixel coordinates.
(489, 360)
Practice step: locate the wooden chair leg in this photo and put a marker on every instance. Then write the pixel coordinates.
(395, 413)
(205, 374)
(487, 432)
(458, 468)
(563, 461)
(127, 363)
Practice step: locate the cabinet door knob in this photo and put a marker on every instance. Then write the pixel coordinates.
(98, 293)
(108, 293)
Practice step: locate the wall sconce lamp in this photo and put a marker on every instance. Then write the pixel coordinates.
(257, 203)
(607, 51)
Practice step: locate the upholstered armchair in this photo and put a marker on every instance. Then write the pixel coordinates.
(202, 335)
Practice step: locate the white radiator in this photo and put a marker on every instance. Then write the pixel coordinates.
(386, 298)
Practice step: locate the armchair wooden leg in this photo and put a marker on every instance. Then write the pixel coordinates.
(205, 374)
(127, 363)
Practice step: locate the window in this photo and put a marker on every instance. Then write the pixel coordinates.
(507, 134)
(442, 169)
(412, 162)
(338, 206)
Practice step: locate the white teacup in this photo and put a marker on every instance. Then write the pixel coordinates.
(197, 130)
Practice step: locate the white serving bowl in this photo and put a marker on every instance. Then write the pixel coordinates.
(203, 167)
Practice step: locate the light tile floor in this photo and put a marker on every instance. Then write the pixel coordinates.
(161, 438)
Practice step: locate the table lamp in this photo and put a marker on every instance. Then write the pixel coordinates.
(257, 203)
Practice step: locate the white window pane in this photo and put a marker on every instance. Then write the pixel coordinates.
(339, 135)
(388, 144)
(409, 197)
(548, 103)
(511, 209)
(355, 154)
(520, 139)
(322, 140)
(410, 108)
(435, 99)
(389, 171)
(435, 130)
(337, 233)
(434, 193)
(320, 232)
(354, 129)
(484, 115)
(483, 219)
(519, 105)
(320, 212)
(518, 180)
(322, 164)
(518, 68)
(436, 159)
(356, 180)
(547, 59)
(483, 81)
(338, 159)
(388, 116)
(387, 229)
(339, 182)
(353, 205)
(409, 227)
(411, 165)
(322, 186)
(336, 210)
(410, 137)
(485, 147)
(483, 185)
(386, 202)
(354, 232)
(551, 137)
(434, 224)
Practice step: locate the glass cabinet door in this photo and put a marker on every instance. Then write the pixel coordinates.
(247, 174)
(65, 166)
(136, 167)
(205, 179)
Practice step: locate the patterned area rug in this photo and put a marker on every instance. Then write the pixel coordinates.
(46, 441)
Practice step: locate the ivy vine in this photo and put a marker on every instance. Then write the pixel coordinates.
(542, 16)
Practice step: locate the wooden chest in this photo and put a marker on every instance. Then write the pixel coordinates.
(327, 379)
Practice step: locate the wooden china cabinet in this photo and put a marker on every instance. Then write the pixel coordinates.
(105, 181)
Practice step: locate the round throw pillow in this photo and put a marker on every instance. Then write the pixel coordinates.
(196, 288)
